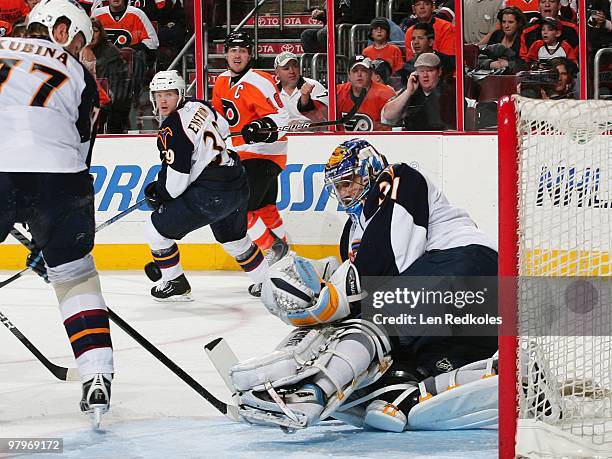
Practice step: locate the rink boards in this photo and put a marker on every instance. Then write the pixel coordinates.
(463, 166)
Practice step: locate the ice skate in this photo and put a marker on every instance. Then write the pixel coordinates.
(177, 289)
(255, 290)
(278, 250)
(96, 398)
(289, 408)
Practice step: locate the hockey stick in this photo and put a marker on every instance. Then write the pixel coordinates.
(13, 277)
(231, 411)
(305, 126)
(223, 358)
(62, 373)
(122, 214)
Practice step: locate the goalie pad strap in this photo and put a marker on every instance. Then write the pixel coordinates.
(281, 404)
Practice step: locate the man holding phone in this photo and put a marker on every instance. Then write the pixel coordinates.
(427, 104)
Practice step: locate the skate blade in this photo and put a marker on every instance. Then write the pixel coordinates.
(95, 414)
(175, 299)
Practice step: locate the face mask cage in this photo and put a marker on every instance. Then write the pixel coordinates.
(348, 188)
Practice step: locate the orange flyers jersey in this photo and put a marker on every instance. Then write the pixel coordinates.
(252, 97)
(390, 53)
(11, 10)
(132, 28)
(526, 6)
(367, 117)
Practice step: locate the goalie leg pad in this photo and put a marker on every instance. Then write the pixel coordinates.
(468, 399)
(288, 363)
(307, 353)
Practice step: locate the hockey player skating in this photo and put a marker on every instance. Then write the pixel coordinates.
(336, 364)
(46, 101)
(250, 101)
(200, 183)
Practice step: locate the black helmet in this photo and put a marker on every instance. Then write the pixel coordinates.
(241, 39)
(379, 22)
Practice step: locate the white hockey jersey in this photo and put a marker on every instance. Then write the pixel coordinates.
(46, 101)
(188, 141)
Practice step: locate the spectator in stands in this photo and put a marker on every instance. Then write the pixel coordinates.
(511, 21)
(422, 41)
(565, 88)
(533, 32)
(381, 71)
(172, 32)
(427, 104)
(501, 53)
(128, 27)
(599, 27)
(444, 40)
(551, 45)
(304, 99)
(531, 9)
(445, 10)
(381, 48)
(345, 12)
(109, 65)
(10, 12)
(367, 94)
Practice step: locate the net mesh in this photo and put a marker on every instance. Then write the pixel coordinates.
(564, 229)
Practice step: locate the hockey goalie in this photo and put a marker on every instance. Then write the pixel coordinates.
(337, 364)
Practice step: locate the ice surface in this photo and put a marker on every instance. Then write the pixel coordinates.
(153, 413)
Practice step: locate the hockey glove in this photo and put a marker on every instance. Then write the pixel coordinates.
(35, 262)
(251, 133)
(154, 200)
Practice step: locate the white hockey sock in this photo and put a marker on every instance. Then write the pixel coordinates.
(358, 350)
(249, 257)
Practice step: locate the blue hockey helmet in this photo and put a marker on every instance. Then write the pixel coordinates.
(350, 172)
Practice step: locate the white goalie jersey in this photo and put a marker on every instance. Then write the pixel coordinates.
(46, 100)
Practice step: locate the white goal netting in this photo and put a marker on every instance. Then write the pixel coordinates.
(564, 290)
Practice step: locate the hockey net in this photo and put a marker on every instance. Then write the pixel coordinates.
(555, 166)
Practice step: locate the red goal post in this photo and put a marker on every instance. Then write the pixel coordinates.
(555, 234)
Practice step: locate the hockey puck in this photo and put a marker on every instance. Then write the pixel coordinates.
(152, 271)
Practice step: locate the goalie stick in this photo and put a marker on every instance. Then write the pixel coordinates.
(305, 126)
(223, 358)
(229, 410)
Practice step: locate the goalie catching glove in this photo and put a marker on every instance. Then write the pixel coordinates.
(300, 295)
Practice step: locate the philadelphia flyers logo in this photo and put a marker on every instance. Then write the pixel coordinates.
(119, 37)
(232, 115)
(359, 122)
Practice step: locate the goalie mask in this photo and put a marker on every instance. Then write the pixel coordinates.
(48, 12)
(350, 172)
(166, 80)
